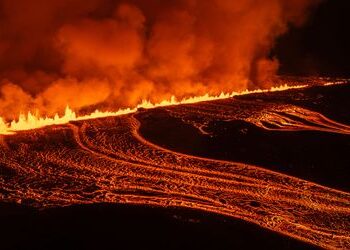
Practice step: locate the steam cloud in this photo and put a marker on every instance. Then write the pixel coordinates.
(116, 53)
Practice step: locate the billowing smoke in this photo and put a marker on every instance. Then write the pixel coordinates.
(116, 53)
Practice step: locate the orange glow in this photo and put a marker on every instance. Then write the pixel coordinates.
(30, 121)
(113, 54)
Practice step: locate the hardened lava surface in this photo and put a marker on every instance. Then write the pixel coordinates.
(228, 157)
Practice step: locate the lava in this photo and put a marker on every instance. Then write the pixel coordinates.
(30, 121)
(109, 160)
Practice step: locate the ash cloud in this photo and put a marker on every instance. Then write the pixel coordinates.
(116, 53)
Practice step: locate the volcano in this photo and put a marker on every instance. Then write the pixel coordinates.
(275, 161)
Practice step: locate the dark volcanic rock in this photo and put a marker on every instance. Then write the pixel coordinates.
(110, 226)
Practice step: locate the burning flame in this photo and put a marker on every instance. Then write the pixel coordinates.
(30, 121)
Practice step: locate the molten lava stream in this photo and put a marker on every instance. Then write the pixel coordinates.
(108, 160)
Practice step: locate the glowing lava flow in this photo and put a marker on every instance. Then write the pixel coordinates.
(30, 121)
(113, 160)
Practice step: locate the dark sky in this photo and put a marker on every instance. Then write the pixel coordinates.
(321, 46)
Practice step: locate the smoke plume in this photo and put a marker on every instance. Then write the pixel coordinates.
(114, 53)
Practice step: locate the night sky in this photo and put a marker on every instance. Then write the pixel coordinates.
(321, 46)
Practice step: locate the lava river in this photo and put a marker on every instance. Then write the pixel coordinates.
(111, 160)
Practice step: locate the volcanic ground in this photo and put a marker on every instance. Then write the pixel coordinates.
(265, 170)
